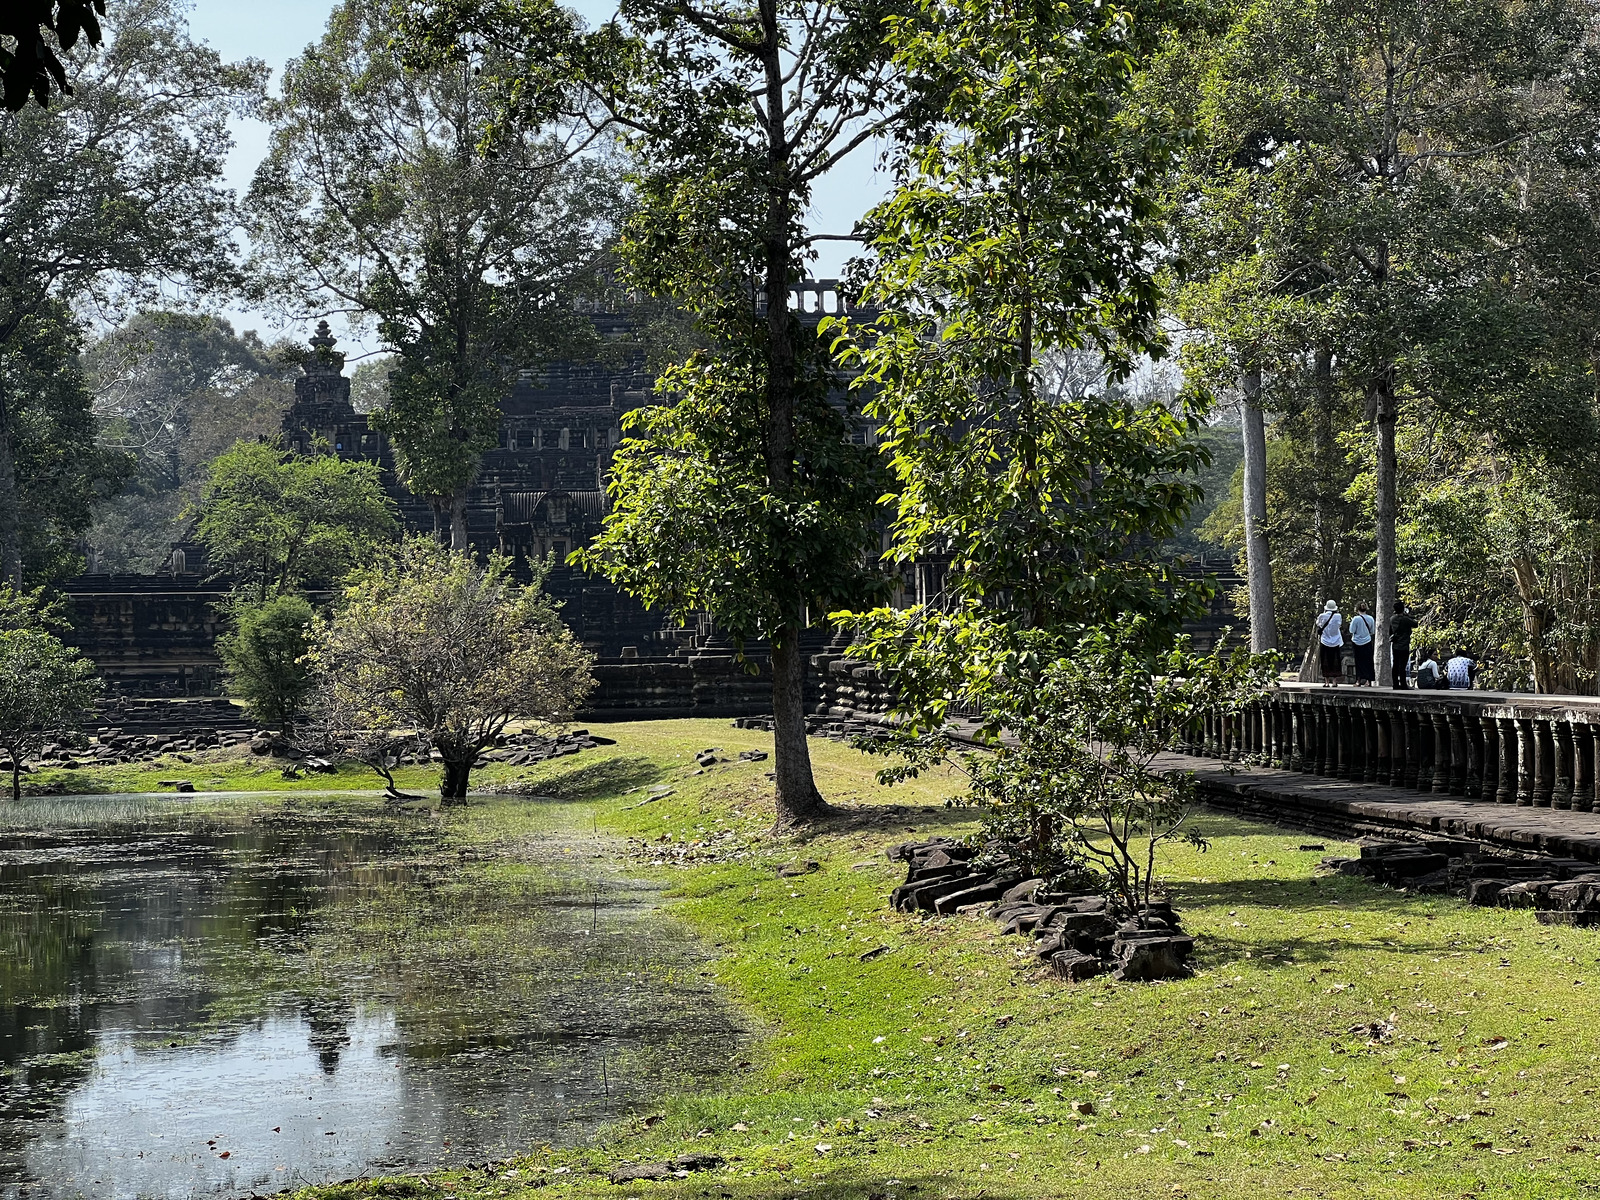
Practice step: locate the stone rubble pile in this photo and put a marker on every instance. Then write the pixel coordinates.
(1078, 935)
(111, 747)
(1561, 891)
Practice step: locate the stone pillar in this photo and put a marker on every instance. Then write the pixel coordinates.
(1472, 738)
(1297, 738)
(1561, 794)
(1458, 754)
(1544, 765)
(1582, 767)
(1396, 749)
(1349, 743)
(1490, 736)
(1506, 755)
(1526, 753)
(1414, 731)
(1322, 726)
(1369, 745)
(1441, 754)
(1382, 747)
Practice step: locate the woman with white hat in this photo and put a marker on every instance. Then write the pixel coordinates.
(1330, 640)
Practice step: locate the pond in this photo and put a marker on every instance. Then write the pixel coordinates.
(257, 995)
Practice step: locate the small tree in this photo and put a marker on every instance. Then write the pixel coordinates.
(265, 656)
(334, 728)
(276, 520)
(1077, 785)
(45, 687)
(431, 641)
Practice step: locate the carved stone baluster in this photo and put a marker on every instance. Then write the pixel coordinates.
(1507, 753)
(1397, 749)
(1490, 736)
(1280, 735)
(1544, 765)
(1325, 749)
(1441, 754)
(1369, 745)
(1380, 745)
(1582, 767)
(1458, 754)
(1527, 752)
(1561, 792)
(1297, 738)
(1415, 729)
(1472, 738)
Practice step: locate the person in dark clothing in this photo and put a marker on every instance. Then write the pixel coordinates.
(1400, 627)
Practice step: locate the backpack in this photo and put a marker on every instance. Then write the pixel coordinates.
(1428, 675)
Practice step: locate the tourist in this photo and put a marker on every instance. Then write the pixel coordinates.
(1461, 671)
(1428, 673)
(1400, 626)
(1330, 641)
(1362, 627)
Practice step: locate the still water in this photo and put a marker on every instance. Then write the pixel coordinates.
(200, 1003)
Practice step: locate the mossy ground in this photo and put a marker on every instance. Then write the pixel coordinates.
(1338, 1039)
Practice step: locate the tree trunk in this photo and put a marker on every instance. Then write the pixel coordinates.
(1324, 453)
(10, 531)
(16, 778)
(1258, 557)
(799, 800)
(453, 787)
(1388, 580)
(458, 520)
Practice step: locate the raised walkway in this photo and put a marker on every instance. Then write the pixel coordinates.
(1512, 770)
(1340, 808)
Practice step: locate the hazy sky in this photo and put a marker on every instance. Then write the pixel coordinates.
(278, 30)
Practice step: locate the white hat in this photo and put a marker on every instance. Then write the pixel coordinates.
(1331, 606)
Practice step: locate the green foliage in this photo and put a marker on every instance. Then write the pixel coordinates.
(265, 654)
(276, 520)
(1021, 230)
(114, 194)
(431, 641)
(32, 610)
(376, 198)
(1076, 785)
(30, 64)
(174, 390)
(45, 690)
(60, 470)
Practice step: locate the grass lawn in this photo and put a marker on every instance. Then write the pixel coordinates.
(1338, 1039)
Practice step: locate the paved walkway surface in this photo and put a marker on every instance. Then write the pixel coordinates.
(1334, 805)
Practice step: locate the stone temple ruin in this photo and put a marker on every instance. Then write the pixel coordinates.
(540, 491)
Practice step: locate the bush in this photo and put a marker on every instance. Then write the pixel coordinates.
(265, 657)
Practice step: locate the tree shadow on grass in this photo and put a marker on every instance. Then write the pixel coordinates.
(592, 779)
(857, 1186)
(896, 822)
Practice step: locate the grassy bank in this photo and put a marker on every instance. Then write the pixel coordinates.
(1338, 1039)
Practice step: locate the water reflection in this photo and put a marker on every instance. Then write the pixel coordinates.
(192, 1007)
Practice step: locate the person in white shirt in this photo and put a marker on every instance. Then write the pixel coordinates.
(1330, 638)
(1461, 669)
(1361, 629)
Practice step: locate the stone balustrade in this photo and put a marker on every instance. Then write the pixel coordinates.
(1496, 747)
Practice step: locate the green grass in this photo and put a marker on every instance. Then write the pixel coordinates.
(947, 1065)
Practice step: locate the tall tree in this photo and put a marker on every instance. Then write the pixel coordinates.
(1362, 192)
(742, 496)
(1022, 226)
(115, 191)
(377, 200)
(59, 471)
(174, 390)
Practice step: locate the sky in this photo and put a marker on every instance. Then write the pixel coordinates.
(277, 30)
